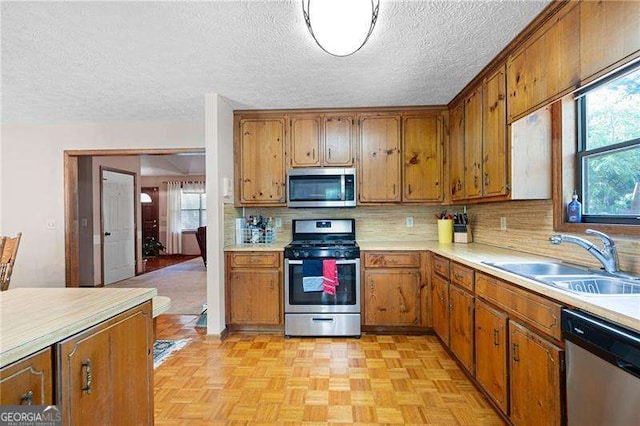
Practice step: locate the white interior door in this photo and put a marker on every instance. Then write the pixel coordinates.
(118, 226)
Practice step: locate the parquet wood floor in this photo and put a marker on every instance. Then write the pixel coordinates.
(256, 378)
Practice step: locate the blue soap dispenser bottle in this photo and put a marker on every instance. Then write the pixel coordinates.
(574, 209)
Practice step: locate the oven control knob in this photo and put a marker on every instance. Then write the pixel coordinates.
(336, 253)
(305, 254)
(296, 253)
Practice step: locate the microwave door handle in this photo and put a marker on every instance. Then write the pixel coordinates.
(343, 178)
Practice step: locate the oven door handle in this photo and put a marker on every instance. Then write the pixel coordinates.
(338, 262)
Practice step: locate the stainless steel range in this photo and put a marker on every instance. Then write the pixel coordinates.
(313, 310)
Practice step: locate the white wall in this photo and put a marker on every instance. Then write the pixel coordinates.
(219, 164)
(32, 181)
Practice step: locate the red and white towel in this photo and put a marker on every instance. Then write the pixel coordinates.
(329, 276)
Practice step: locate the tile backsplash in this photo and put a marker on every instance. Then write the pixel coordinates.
(529, 225)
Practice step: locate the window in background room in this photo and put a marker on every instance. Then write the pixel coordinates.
(609, 149)
(194, 211)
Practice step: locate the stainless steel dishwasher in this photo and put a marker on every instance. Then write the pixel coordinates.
(603, 371)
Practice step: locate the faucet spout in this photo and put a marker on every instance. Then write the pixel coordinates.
(607, 256)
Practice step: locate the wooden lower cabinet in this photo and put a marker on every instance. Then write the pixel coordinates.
(28, 381)
(254, 288)
(105, 374)
(440, 307)
(392, 297)
(535, 378)
(491, 352)
(254, 297)
(461, 325)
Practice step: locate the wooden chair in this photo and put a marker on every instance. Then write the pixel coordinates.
(201, 237)
(8, 251)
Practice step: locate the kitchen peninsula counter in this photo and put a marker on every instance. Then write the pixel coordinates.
(621, 309)
(32, 319)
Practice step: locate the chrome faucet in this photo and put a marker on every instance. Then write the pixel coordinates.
(608, 255)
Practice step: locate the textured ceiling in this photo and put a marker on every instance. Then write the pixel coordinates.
(104, 61)
(172, 165)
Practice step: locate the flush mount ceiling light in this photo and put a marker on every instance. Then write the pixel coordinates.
(340, 27)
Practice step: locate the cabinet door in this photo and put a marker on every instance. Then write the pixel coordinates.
(392, 297)
(262, 164)
(422, 158)
(547, 66)
(254, 297)
(494, 139)
(440, 303)
(338, 140)
(491, 352)
(473, 143)
(106, 373)
(380, 158)
(456, 151)
(28, 381)
(461, 332)
(305, 140)
(535, 382)
(608, 33)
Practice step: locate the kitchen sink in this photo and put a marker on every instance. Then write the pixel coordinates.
(534, 269)
(571, 278)
(596, 285)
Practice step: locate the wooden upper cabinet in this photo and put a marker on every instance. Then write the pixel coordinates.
(456, 152)
(422, 158)
(379, 169)
(473, 143)
(339, 140)
(535, 378)
(609, 34)
(494, 138)
(547, 66)
(306, 136)
(260, 155)
(491, 352)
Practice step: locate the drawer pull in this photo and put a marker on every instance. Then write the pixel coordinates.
(87, 376)
(27, 398)
(515, 353)
(457, 276)
(495, 337)
(322, 319)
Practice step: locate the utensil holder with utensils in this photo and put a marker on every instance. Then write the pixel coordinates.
(462, 234)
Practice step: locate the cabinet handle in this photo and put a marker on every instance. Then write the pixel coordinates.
(329, 153)
(486, 179)
(27, 398)
(475, 181)
(87, 376)
(394, 189)
(515, 353)
(403, 306)
(457, 276)
(495, 337)
(459, 185)
(313, 153)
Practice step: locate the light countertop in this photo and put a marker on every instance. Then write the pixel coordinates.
(622, 309)
(277, 246)
(33, 318)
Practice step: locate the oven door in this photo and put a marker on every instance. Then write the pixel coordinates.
(346, 299)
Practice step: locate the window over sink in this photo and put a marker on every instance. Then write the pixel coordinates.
(608, 151)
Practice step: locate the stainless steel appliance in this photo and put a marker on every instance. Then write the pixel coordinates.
(316, 313)
(603, 371)
(322, 187)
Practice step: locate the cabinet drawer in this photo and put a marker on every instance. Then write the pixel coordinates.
(29, 380)
(398, 259)
(255, 259)
(441, 266)
(537, 311)
(462, 276)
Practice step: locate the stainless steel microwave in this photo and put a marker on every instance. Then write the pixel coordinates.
(322, 187)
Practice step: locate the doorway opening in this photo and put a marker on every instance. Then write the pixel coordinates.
(86, 221)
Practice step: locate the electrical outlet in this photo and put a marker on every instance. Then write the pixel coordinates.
(278, 222)
(409, 221)
(503, 223)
